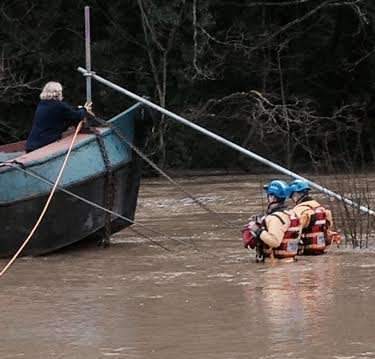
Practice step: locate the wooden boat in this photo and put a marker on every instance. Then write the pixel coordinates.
(68, 219)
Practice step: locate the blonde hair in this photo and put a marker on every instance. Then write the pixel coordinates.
(52, 91)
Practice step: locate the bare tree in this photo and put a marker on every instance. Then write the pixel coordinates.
(159, 36)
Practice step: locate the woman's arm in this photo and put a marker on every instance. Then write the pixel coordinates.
(73, 115)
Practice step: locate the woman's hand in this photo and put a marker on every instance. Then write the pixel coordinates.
(88, 107)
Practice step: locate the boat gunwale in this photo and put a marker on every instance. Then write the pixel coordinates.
(72, 184)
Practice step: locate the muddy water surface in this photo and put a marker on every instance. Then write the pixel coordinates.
(136, 300)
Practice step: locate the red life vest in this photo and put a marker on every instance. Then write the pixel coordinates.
(288, 247)
(314, 236)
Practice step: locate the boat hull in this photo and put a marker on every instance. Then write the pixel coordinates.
(69, 219)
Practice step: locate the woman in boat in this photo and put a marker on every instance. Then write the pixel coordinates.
(53, 116)
(277, 234)
(316, 220)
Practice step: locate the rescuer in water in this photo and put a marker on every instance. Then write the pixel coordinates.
(316, 221)
(53, 116)
(277, 234)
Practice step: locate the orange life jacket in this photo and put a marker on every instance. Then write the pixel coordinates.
(314, 236)
(288, 247)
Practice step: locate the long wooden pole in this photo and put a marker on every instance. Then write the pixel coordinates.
(228, 143)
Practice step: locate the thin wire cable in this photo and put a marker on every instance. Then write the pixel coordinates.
(41, 178)
(45, 180)
(161, 172)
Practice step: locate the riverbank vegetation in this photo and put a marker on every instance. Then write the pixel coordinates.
(291, 79)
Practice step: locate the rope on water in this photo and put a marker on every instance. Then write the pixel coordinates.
(41, 216)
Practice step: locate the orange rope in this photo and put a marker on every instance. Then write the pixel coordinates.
(36, 225)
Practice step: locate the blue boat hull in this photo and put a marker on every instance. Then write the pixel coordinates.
(68, 219)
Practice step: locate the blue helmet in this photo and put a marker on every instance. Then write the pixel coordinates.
(277, 188)
(299, 186)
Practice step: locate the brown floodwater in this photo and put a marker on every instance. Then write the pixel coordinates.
(205, 298)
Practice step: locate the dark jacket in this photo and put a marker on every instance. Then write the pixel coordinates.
(51, 119)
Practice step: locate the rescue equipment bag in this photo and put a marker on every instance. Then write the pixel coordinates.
(247, 238)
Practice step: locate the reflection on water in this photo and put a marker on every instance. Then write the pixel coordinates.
(135, 300)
